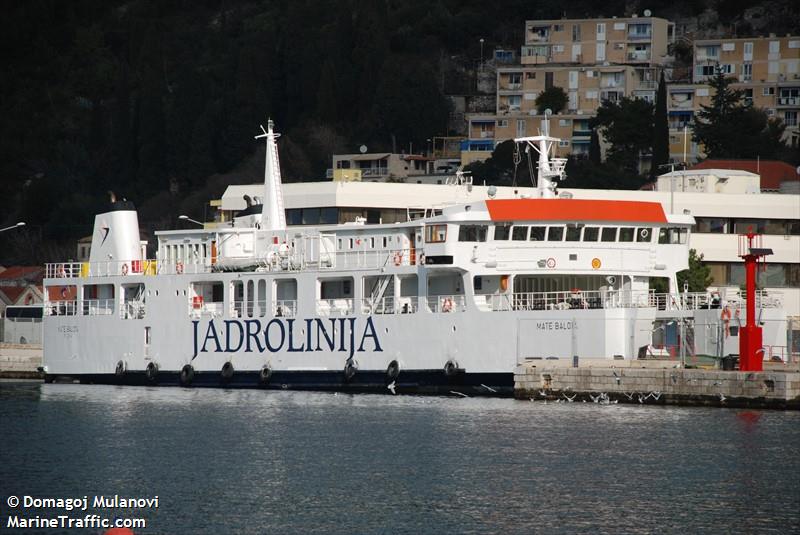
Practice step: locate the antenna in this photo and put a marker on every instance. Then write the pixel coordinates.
(272, 212)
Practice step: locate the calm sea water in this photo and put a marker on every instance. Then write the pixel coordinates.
(290, 462)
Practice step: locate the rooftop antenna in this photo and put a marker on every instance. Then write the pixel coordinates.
(273, 216)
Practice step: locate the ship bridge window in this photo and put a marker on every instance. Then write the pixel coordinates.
(537, 233)
(133, 301)
(98, 300)
(63, 301)
(574, 232)
(519, 233)
(472, 233)
(555, 233)
(435, 233)
(502, 232)
(644, 235)
(609, 234)
(673, 236)
(626, 234)
(206, 297)
(591, 233)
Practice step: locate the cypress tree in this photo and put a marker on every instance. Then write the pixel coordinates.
(660, 129)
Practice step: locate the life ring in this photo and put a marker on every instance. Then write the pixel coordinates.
(60, 271)
(447, 305)
(179, 268)
(120, 369)
(350, 369)
(226, 374)
(124, 269)
(187, 375)
(551, 262)
(264, 375)
(392, 371)
(450, 368)
(151, 372)
(398, 259)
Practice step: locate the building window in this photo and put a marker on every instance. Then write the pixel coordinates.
(790, 118)
(747, 71)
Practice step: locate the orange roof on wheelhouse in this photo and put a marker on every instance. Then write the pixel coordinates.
(575, 210)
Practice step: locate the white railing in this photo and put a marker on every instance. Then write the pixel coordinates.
(370, 258)
(390, 305)
(98, 307)
(285, 308)
(570, 300)
(132, 310)
(110, 268)
(61, 308)
(202, 308)
(446, 303)
(335, 307)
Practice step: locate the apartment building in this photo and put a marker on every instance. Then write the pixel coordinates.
(593, 60)
(637, 40)
(766, 69)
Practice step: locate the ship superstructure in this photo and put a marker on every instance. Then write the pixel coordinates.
(448, 302)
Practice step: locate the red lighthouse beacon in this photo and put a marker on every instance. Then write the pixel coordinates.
(751, 353)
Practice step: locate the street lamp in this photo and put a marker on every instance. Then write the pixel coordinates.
(481, 42)
(20, 224)
(187, 218)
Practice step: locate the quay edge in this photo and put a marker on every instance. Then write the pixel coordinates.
(770, 389)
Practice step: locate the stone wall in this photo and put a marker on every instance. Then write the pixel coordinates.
(773, 389)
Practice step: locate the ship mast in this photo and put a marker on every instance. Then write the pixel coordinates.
(550, 169)
(273, 216)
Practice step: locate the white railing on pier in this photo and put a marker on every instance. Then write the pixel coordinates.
(446, 303)
(335, 307)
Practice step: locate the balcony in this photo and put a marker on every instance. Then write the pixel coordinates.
(635, 36)
(788, 101)
(510, 86)
(639, 55)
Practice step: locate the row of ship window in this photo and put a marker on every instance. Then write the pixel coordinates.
(570, 233)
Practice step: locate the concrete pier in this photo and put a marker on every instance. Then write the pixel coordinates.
(773, 388)
(20, 361)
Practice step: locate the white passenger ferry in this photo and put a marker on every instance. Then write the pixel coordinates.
(450, 302)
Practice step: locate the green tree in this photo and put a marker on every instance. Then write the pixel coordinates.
(732, 128)
(698, 276)
(628, 126)
(660, 129)
(553, 98)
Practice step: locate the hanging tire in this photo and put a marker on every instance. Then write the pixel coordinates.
(227, 372)
(151, 372)
(264, 375)
(120, 369)
(450, 368)
(350, 369)
(392, 371)
(187, 375)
